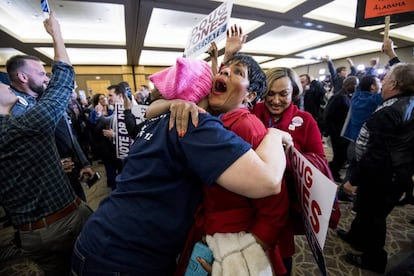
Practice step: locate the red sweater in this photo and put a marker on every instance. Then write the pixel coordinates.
(226, 212)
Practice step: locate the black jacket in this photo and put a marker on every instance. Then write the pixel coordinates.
(389, 153)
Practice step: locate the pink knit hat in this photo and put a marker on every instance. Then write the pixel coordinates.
(189, 79)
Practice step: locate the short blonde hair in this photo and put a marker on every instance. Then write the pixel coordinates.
(279, 72)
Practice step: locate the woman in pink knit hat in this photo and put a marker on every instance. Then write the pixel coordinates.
(141, 227)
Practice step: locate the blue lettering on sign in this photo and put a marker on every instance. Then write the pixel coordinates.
(208, 40)
(314, 245)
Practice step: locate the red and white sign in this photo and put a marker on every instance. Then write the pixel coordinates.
(316, 194)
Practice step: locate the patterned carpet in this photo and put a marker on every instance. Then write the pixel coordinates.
(400, 237)
(399, 242)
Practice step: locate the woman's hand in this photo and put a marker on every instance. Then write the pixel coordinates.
(207, 267)
(99, 108)
(180, 111)
(287, 140)
(213, 53)
(234, 42)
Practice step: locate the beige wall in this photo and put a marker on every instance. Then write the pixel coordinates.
(113, 74)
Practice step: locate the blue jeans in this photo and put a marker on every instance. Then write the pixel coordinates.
(83, 265)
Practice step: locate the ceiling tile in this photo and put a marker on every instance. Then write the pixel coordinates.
(87, 56)
(81, 22)
(158, 58)
(287, 62)
(276, 6)
(171, 29)
(406, 33)
(342, 12)
(285, 40)
(344, 49)
(6, 53)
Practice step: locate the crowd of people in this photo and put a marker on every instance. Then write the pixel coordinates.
(215, 146)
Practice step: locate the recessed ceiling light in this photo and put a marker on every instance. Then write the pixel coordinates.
(308, 24)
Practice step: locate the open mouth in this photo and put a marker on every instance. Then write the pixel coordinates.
(220, 86)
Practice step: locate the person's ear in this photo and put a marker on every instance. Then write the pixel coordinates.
(22, 77)
(251, 96)
(248, 100)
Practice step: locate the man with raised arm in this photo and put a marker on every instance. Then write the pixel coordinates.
(34, 189)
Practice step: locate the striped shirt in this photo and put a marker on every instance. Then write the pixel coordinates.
(32, 181)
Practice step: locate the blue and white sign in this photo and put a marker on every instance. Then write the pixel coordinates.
(212, 28)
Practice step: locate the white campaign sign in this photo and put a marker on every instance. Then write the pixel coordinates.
(316, 194)
(212, 28)
(139, 111)
(122, 139)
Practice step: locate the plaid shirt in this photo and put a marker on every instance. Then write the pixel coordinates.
(25, 103)
(32, 181)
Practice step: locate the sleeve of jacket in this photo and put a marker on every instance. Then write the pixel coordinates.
(376, 160)
(130, 123)
(332, 70)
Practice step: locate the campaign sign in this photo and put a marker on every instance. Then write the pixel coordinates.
(373, 12)
(316, 193)
(139, 111)
(122, 139)
(212, 28)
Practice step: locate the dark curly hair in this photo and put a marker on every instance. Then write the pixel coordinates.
(257, 77)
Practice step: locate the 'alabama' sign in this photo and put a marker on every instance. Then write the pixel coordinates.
(372, 12)
(212, 28)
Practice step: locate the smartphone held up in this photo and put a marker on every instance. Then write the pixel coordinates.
(45, 7)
